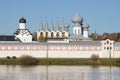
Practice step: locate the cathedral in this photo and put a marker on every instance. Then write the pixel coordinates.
(80, 30)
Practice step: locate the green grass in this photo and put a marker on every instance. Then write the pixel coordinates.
(65, 61)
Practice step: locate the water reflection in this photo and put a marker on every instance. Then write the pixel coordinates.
(59, 73)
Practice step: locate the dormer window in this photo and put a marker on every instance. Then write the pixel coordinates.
(107, 42)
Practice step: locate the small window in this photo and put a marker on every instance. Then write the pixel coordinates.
(46, 34)
(52, 35)
(110, 48)
(57, 34)
(78, 31)
(104, 47)
(63, 35)
(107, 42)
(104, 43)
(75, 31)
(110, 43)
(41, 34)
(107, 48)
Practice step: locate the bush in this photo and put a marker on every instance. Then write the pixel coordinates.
(118, 61)
(14, 57)
(94, 57)
(28, 60)
(8, 57)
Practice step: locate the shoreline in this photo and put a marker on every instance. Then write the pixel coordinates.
(66, 61)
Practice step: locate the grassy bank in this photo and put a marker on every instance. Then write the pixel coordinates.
(63, 61)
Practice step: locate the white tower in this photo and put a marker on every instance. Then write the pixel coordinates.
(85, 30)
(22, 23)
(77, 20)
(22, 34)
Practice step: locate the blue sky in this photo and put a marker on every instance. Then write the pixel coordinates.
(101, 15)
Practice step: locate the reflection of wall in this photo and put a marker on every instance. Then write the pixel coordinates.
(17, 72)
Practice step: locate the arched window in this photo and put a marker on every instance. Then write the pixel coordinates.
(107, 42)
(75, 31)
(78, 31)
(52, 35)
(63, 35)
(46, 34)
(41, 34)
(57, 34)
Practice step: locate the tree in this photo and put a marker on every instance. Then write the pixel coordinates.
(94, 57)
(94, 36)
(41, 39)
(118, 37)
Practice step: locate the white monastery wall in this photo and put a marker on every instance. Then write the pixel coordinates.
(116, 52)
(60, 50)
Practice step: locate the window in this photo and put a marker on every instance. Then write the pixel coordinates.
(52, 35)
(75, 31)
(104, 43)
(104, 47)
(57, 34)
(78, 31)
(46, 34)
(107, 48)
(41, 34)
(107, 42)
(63, 35)
(110, 48)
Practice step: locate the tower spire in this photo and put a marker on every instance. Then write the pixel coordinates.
(77, 13)
(46, 24)
(52, 24)
(58, 24)
(41, 24)
(63, 24)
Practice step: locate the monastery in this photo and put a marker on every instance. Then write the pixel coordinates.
(59, 42)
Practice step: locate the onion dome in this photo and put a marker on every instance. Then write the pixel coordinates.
(85, 26)
(22, 20)
(77, 18)
(66, 25)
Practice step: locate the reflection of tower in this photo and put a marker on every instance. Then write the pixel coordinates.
(85, 30)
(77, 20)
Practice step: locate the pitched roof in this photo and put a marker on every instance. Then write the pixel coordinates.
(7, 38)
(78, 36)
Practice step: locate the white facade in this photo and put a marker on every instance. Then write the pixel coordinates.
(104, 49)
(85, 34)
(77, 30)
(60, 32)
(22, 26)
(85, 30)
(22, 34)
(80, 30)
(59, 44)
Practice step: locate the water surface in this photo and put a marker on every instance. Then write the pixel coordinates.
(58, 73)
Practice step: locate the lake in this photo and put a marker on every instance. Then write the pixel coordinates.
(17, 72)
